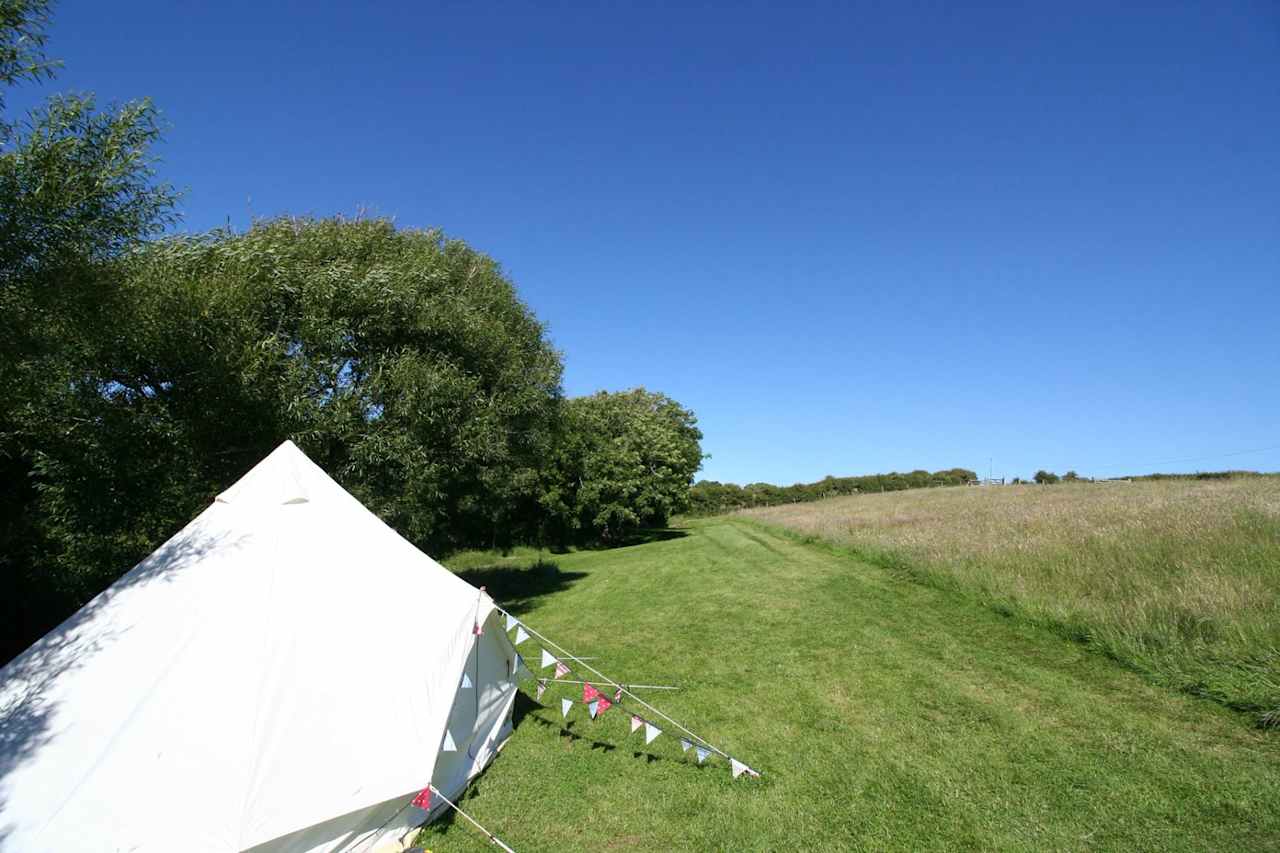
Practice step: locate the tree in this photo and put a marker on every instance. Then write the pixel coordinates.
(623, 461)
(1070, 477)
(1045, 477)
(76, 191)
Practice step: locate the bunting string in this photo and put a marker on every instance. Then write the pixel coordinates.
(601, 677)
(631, 686)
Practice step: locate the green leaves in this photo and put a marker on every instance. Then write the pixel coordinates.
(623, 460)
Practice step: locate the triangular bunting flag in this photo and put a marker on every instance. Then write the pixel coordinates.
(521, 634)
(423, 800)
(684, 744)
(617, 696)
(466, 681)
(636, 722)
(738, 767)
(448, 745)
(561, 669)
(650, 732)
(542, 688)
(565, 705)
(518, 669)
(477, 630)
(547, 659)
(702, 753)
(511, 622)
(589, 693)
(593, 708)
(604, 704)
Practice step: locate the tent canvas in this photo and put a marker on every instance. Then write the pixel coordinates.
(278, 676)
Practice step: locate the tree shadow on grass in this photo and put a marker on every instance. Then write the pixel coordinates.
(643, 536)
(515, 587)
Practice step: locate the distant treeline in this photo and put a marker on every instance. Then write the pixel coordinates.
(708, 497)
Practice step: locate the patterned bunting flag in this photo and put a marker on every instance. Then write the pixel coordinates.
(565, 705)
(466, 681)
(511, 622)
(636, 722)
(448, 745)
(684, 744)
(593, 708)
(617, 696)
(604, 704)
(650, 732)
(702, 753)
(542, 688)
(521, 634)
(548, 659)
(423, 800)
(477, 630)
(589, 693)
(561, 669)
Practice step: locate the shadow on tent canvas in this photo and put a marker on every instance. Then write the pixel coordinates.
(26, 710)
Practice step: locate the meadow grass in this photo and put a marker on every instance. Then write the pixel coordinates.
(1177, 579)
(883, 714)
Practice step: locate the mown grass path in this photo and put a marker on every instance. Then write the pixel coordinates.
(883, 714)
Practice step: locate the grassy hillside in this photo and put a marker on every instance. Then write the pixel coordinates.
(884, 715)
(1179, 579)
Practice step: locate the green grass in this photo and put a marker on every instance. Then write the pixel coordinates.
(884, 714)
(1178, 579)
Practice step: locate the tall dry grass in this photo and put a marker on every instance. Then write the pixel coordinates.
(1177, 579)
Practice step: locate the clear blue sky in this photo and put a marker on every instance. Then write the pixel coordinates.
(852, 239)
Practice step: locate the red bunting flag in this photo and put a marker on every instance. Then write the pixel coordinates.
(589, 693)
(604, 705)
(423, 800)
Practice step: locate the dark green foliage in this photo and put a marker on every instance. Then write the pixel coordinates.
(709, 497)
(76, 190)
(1070, 477)
(1046, 478)
(621, 461)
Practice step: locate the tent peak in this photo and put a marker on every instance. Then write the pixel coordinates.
(285, 476)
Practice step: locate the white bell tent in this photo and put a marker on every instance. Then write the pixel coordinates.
(284, 674)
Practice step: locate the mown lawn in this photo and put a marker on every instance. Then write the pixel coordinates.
(883, 714)
(1178, 579)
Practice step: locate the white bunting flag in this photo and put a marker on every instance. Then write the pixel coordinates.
(636, 722)
(593, 708)
(518, 670)
(542, 688)
(684, 744)
(466, 681)
(702, 753)
(738, 767)
(449, 745)
(650, 732)
(565, 705)
(511, 622)
(548, 659)
(521, 634)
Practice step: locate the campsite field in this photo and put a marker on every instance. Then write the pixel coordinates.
(1179, 579)
(883, 713)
